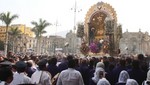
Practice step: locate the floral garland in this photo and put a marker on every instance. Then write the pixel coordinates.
(95, 47)
(84, 49)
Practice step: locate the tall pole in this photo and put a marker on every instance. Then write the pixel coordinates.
(74, 29)
(55, 44)
(75, 9)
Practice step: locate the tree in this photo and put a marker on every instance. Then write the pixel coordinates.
(7, 19)
(80, 31)
(119, 31)
(1, 45)
(15, 33)
(38, 29)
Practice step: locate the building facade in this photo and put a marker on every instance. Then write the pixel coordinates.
(24, 29)
(21, 27)
(44, 45)
(73, 43)
(24, 42)
(56, 44)
(135, 43)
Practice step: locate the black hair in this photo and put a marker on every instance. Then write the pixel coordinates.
(71, 63)
(122, 62)
(42, 64)
(70, 57)
(52, 61)
(29, 64)
(140, 57)
(20, 70)
(21, 66)
(135, 64)
(128, 60)
(5, 73)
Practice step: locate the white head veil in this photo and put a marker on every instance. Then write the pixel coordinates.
(103, 81)
(123, 76)
(148, 76)
(100, 64)
(131, 82)
(96, 74)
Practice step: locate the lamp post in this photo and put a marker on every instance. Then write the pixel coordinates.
(74, 28)
(54, 42)
(54, 46)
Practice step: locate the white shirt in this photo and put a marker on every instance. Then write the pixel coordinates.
(70, 77)
(20, 78)
(43, 77)
(2, 83)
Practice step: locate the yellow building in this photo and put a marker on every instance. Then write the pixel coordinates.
(2, 33)
(22, 27)
(29, 32)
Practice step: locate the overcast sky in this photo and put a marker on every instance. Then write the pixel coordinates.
(132, 14)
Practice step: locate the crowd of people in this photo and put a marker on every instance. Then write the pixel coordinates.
(74, 70)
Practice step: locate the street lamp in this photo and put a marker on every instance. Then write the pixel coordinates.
(74, 28)
(54, 42)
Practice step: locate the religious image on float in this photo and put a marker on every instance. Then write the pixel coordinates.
(101, 45)
(98, 41)
(97, 45)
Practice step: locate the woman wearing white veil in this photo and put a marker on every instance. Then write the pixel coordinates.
(103, 81)
(96, 74)
(99, 68)
(147, 81)
(123, 76)
(131, 82)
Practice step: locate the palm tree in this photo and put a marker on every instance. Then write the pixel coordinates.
(38, 29)
(15, 33)
(7, 19)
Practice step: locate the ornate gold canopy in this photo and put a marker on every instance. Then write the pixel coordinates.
(99, 11)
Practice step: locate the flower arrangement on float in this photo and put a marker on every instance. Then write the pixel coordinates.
(94, 47)
(84, 49)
